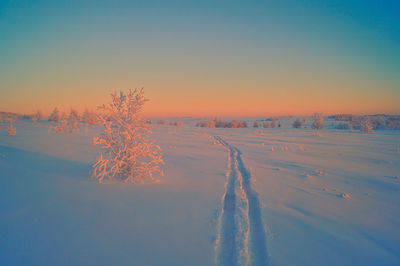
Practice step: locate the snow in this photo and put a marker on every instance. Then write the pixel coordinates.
(281, 196)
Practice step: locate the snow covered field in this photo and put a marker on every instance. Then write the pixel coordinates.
(279, 196)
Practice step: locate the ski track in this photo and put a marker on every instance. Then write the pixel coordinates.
(241, 236)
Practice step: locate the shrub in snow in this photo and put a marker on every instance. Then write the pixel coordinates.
(242, 124)
(178, 124)
(297, 123)
(318, 121)
(37, 116)
(73, 121)
(162, 122)
(89, 118)
(233, 124)
(128, 154)
(11, 129)
(62, 126)
(211, 124)
(55, 116)
(393, 122)
(266, 125)
(25, 117)
(378, 123)
(215, 123)
(273, 123)
(255, 124)
(366, 125)
(345, 196)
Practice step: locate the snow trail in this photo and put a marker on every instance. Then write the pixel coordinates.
(249, 245)
(225, 244)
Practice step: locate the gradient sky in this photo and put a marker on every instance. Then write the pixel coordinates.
(202, 58)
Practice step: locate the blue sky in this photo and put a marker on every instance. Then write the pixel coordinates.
(62, 52)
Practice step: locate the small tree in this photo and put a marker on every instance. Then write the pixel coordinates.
(37, 116)
(128, 154)
(55, 116)
(61, 127)
(73, 121)
(89, 118)
(163, 122)
(255, 124)
(11, 129)
(297, 123)
(366, 125)
(318, 121)
(266, 125)
(273, 123)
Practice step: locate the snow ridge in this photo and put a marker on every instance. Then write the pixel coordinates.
(242, 240)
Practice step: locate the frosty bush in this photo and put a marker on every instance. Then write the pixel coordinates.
(273, 123)
(393, 122)
(128, 154)
(266, 125)
(89, 118)
(318, 121)
(162, 122)
(55, 115)
(62, 126)
(73, 121)
(366, 125)
(297, 123)
(255, 124)
(176, 124)
(378, 123)
(11, 129)
(37, 116)
(216, 123)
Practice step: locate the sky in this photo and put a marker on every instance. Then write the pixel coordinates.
(202, 58)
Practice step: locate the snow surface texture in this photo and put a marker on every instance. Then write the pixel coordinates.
(283, 197)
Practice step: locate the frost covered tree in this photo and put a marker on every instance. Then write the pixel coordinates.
(255, 124)
(89, 118)
(318, 121)
(37, 116)
(128, 153)
(11, 129)
(366, 125)
(273, 123)
(163, 122)
(62, 125)
(55, 116)
(266, 125)
(73, 121)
